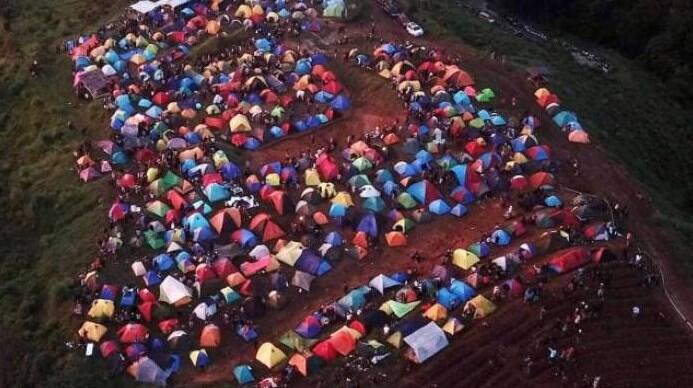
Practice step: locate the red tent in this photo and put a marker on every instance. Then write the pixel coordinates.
(325, 350)
(146, 310)
(224, 267)
(569, 259)
(342, 342)
(204, 272)
(133, 332)
(282, 203)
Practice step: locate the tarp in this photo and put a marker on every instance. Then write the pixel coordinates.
(427, 341)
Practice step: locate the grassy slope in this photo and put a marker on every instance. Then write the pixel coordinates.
(50, 222)
(629, 111)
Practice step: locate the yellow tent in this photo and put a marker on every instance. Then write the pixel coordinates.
(152, 174)
(312, 177)
(273, 179)
(239, 123)
(483, 306)
(272, 17)
(414, 85)
(101, 309)
(290, 253)
(92, 331)
(401, 67)
(343, 198)
(542, 92)
(395, 339)
(270, 355)
(385, 74)
(257, 10)
(453, 326)
(355, 334)
(436, 313)
(173, 107)
(244, 12)
(519, 158)
(464, 259)
(302, 83)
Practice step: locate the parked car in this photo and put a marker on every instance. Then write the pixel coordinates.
(414, 29)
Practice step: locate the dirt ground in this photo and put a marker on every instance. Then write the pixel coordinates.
(655, 350)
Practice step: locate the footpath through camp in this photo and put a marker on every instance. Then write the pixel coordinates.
(311, 206)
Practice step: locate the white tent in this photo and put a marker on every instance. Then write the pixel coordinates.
(138, 268)
(147, 371)
(382, 282)
(172, 291)
(144, 6)
(427, 341)
(204, 311)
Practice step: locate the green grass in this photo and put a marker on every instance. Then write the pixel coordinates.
(629, 111)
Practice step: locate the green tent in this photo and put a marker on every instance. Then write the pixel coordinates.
(400, 309)
(158, 208)
(406, 200)
(170, 180)
(362, 164)
(477, 123)
(486, 95)
(334, 10)
(294, 341)
(359, 181)
(154, 239)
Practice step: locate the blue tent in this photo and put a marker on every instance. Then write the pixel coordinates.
(390, 188)
(245, 237)
(424, 156)
(438, 207)
(334, 239)
(318, 58)
(263, 45)
(458, 210)
(323, 97)
(337, 210)
(119, 158)
(203, 234)
(152, 279)
(195, 220)
(230, 171)
(216, 192)
(324, 267)
(303, 66)
(252, 144)
(497, 119)
(247, 332)
(481, 249)
(276, 132)
(163, 262)
(461, 98)
(462, 290)
(553, 201)
(310, 327)
(383, 176)
(309, 262)
(460, 172)
(243, 374)
(375, 204)
(501, 237)
(448, 299)
(564, 117)
(354, 300)
(383, 282)
(368, 225)
(340, 103)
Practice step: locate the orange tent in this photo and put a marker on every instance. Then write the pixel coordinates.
(306, 364)
(225, 219)
(396, 239)
(210, 336)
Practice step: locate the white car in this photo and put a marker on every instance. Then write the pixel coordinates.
(414, 29)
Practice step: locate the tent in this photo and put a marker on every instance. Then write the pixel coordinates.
(92, 331)
(464, 259)
(382, 282)
(399, 309)
(210, 336)
(569, 259)
(270, 355)
(482, 306)
(145, 370)
(453, 326)
(172, 291)
(306, 364)
(436, 313)
(243, 374)
(426, 342)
